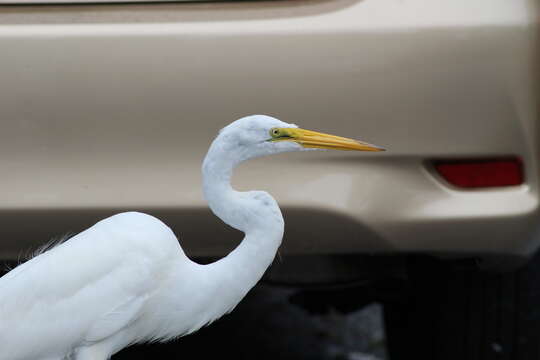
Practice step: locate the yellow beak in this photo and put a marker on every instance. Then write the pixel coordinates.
(317, 140)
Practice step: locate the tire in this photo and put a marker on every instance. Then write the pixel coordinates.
(464, 313)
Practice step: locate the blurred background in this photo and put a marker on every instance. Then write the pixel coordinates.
(267, 326)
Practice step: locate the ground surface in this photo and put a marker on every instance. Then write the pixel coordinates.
(266, 326)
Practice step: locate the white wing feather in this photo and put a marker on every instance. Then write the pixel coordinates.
(116, 319)
(85, 289)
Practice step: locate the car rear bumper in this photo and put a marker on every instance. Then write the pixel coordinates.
(106, 108)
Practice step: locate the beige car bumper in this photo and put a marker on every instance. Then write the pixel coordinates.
(107, 108)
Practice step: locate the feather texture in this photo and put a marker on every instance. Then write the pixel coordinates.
(127, 280)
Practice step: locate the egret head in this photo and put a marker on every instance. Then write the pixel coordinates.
(260, 135)
(251, 137)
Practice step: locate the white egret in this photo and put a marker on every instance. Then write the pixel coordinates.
(126, 279)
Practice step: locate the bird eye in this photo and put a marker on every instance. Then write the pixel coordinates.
(274, 132)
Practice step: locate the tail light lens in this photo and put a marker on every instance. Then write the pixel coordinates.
(481, 173)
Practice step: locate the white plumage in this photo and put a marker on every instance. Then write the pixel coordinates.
(127, 280)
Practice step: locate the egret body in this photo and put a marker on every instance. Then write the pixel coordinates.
(126, 279)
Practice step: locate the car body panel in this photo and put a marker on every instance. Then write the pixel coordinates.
(105, 109)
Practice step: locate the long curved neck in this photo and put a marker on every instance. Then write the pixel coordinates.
(255, 213)
(215, 289)
(217, 171)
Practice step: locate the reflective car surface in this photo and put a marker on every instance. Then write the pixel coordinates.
(106, 108)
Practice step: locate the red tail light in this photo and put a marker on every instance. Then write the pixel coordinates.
(482, 173)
